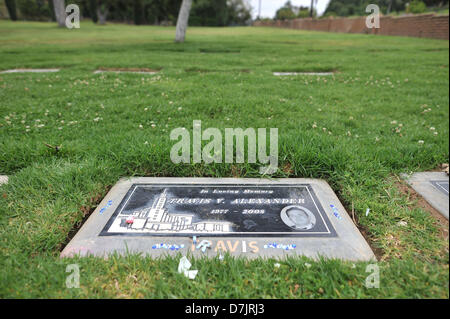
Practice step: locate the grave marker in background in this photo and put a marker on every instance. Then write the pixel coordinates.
(30, 71)
(433, 186)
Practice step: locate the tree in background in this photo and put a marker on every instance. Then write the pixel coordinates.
(93, 10)
(60, 12)
(311, 9)
(11, 6)
(239, 12)
(289, 11)
(220, 12)
(35, 10)
(138, 12)
(346, 8)
(285, 12)
(221, 15)
(52, 10)
(416, 6)
(102, 11)
(182, 22)
(209, 13)
(159, 12)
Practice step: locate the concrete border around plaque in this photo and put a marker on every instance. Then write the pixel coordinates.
(433, 186)
(159, 216)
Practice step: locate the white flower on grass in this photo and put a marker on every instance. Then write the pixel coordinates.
(435, 133)
(394, 122)
(308, 265)
(180, 108)
(145, 143)
(314, 125)
(402, 223)
(277, 265)
(432, 128)
(421, 142)
(153, 125)
(140, 126)
(97, 119)
(60, 128)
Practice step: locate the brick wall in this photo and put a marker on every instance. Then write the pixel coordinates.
(424, 25)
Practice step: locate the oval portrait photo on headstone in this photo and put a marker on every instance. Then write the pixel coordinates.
(298, 217)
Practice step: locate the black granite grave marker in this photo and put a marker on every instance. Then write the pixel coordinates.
(220, 210)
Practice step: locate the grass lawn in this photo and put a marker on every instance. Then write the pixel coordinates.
(384, 112)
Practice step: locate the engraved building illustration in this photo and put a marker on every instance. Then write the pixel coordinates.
(157, 219)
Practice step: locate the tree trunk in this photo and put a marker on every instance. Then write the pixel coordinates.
(138, 15)
(93, 10)
(102, 13)
(60, 12)
(389, 7)
(11, 6)
(182, 22)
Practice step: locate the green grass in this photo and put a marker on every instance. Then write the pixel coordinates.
(358, 130)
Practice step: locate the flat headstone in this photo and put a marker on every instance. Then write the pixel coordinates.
(249, 217)
(302, 73)
(30, 71)
(3, 179)
(121, 71)
(433, 187)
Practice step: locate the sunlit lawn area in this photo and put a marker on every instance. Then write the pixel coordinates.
(383, 112)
